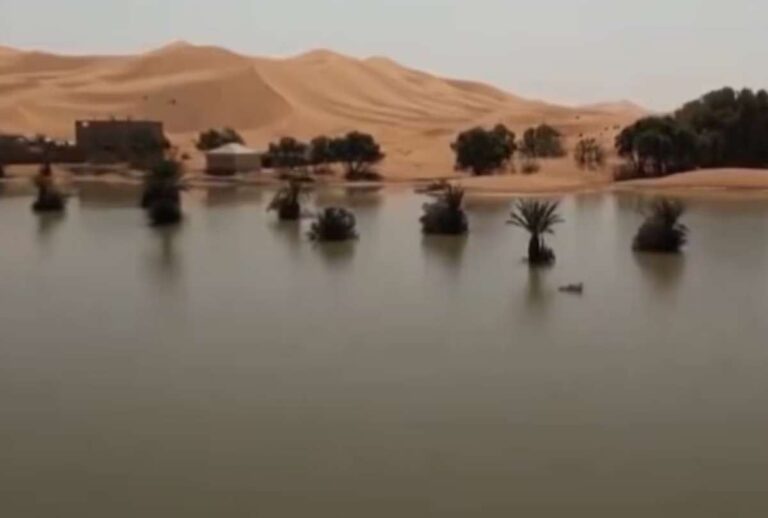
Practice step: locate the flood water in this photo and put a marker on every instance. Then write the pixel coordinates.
(231, 368)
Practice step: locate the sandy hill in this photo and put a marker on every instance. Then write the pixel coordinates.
(191, 88)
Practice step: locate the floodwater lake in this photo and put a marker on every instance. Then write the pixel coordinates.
(230, 367)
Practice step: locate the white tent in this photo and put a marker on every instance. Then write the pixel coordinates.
(232, 158)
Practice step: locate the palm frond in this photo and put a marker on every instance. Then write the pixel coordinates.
(536, 216)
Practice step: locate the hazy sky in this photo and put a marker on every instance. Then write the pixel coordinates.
(655, 52)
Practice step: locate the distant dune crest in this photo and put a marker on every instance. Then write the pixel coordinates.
(191, 88)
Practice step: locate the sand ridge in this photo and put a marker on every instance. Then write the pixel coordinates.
(191, 88)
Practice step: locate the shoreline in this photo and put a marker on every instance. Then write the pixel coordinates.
(727, 183)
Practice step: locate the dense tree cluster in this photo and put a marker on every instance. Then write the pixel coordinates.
(357, 151)
(589, 153)
(732, 127)
(543, 141)
(482, 151)
(658, 146)
(288, 153)
(724, 128)
(216, 138)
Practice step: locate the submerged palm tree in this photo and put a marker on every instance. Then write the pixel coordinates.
(538, 218)
(445, 216)
(49, 198)
(162, 193)
(287, 201)
(333, 224)
(662, 231)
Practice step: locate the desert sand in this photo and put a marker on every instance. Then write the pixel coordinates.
(415, 115)
(729, 183)
(707, 179)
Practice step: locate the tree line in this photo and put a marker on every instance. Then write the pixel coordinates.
(723, 128)
(481, 151)
(357, 152)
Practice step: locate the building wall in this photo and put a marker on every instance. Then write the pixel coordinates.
(18, 150)
(230, 164)
(115, 139)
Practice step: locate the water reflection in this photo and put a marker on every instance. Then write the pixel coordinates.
(289, 232)
(589, 203)
(232, 195)
(362, 197)
(446, 250)
(336, 255)
(164, 261)
(100, 195)
(47, 223)
(488, 205)
(455, 339)
(663, 271)
(539, 294)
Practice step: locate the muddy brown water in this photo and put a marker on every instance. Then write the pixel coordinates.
(231, 368)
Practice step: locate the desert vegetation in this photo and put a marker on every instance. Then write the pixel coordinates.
(287, 201)
(538, 218)
(482, 152)
(445, 215)
(146, 149)
(162, 193)
(357, 152)
(662, 232)
(724, 128)
(49, 197)
(333, 224)
(288, 154)
(543, 141)
(216, 138)
(589, 154)
(655, 146)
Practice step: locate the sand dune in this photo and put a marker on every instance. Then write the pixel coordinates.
(190, 88)
(729, 179)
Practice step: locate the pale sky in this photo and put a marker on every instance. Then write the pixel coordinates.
(655, 52)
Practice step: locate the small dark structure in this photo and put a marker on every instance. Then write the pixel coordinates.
(662, 232)
(139, 142)
(231, 159)
(162, 193)
(49, 198)
(334, 224)
(445, 216)
(22, 150)
(287, 201)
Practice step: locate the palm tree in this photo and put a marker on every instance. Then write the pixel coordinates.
(538, 218)
(333, 224)
(662, 231)
(287, 201)
(49, 198)
(162, 193)
(446, 216)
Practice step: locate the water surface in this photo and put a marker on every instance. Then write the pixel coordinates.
(231, 368)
